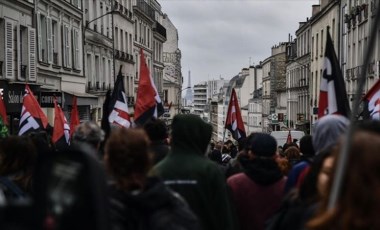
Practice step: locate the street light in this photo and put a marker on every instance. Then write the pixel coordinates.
(114, 10)
(179, 92)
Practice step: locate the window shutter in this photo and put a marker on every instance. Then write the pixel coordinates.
(74, 49)
(39, 36)
(9, 70)
(18, 50)
(68, 42)
(64, 33)
(49, 40)
(32, 54)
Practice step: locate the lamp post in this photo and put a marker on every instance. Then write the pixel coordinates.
(178, 96)
(114, 10)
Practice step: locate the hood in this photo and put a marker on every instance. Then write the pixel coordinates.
(327, 130)
(154, 197)
(190, 134)
(264, 172)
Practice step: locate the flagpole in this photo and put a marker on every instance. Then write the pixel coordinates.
(344, 153)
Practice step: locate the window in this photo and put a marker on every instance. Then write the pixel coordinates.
(22, 53)
(77, 3)
(89, 68)
(316, 48)
(321, 43)
(97, 69)
(104, 72)
(135, 30)
(54, 38)
(116, 38)
(126, 42)
(121, 40)
(44, 38)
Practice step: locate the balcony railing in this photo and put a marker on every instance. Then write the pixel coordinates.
(145, 8)
(55, 58)
(23, 71)
(160, 29)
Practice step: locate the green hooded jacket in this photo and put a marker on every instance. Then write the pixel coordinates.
(187, 171)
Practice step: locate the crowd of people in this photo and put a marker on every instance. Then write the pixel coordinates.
(147, 178)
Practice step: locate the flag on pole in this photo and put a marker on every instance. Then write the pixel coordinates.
(289, 139)
(234, 122)
(74, 116)
(61, 130)
(119, 114)
(332, 97)
(372, 102)
(32, 116)
(148, 102)
(3, 111)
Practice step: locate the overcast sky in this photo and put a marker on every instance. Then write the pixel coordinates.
(218, 37)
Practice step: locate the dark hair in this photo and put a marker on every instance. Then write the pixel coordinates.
(306, 146)
(126, 153)
(18, 154)
(156, 129)
(308, 191)
(357, 206)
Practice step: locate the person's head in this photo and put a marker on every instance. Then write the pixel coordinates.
(292, 154)
(127, 157)
(357, 206)
(18, 156)
(90, 133)
(287, 145)
(306, 146)
(42, 141)
(156, 129)
(216, 156)
(190, 134)
(262, 145)
(327, 131)
(315, 181)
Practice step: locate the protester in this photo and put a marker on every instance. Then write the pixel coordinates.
(139, 201)
(90, 133)
(257, 193)
(300, 205)
(158, 134)
(200, 181)
(292, 154)
(326, 133)
(17, 158)
(357, 205)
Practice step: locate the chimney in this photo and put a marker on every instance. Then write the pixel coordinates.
(316, 9)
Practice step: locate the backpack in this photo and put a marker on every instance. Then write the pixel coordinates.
(178, 217)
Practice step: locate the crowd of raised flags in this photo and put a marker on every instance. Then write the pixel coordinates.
(115, 109)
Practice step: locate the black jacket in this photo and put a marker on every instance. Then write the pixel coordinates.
(157, 207)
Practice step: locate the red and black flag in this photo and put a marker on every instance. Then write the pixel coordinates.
(289, 139)
(61, 130)
(119, 114)
(74, 116)
(332, 97)
(148, 102)
(234, 122)
(32, 116)
(3, 111)
(372, 102)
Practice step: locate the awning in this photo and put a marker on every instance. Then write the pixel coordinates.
(82, 98)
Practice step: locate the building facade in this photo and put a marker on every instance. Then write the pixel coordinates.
(200, 98)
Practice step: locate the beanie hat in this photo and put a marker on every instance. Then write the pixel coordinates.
(263, 145)
(327, 131)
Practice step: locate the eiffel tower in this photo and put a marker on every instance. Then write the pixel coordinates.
(189, 93)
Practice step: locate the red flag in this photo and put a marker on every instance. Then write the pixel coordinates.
(372, 98)
(74, 117)
(3, 111)
(32, 116)
(333, 96)
(234, 122)
(289, 139)
(148, 102)
(61, 131)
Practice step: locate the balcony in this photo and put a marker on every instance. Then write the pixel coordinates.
(130, 100)
(23, 71)
(146, 9)
(55, 58)
(89, 85)
(123, 55)
(117, 54)
(160, 29)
